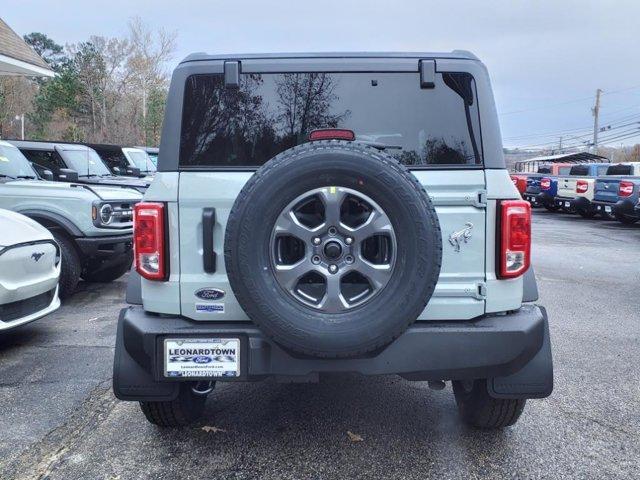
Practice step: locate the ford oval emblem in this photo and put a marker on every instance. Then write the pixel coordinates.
(210, 293)
(202, 359)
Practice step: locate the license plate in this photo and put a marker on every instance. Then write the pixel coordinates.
(201, 357)
(607, 209)
(567, 204)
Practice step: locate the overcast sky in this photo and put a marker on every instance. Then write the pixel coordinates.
(545, 61)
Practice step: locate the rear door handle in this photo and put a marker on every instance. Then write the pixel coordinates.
(208, 255)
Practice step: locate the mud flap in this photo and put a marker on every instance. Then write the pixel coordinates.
(534, 380)
(132, 382)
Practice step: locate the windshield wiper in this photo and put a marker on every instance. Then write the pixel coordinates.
(380, 146)
(30, 177)
(4, 175)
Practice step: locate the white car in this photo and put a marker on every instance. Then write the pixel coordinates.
(29, 270)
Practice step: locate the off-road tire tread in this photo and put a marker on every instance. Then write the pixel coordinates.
(173, 413)
(71, 265)
(289, 156)
(480, 410)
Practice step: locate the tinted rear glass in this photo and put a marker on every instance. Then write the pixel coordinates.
(544, 170)
(602, 170)
(619, 170)
(579, 170)
(269, 113)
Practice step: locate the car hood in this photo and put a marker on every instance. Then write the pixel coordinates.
(119, 181)
(17, 228)
(105, 192)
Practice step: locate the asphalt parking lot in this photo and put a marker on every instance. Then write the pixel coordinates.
(59, 419)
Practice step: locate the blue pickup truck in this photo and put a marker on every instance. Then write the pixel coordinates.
(539, 196)
(618, 191)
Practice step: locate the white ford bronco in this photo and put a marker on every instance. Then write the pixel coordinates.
(319, 213)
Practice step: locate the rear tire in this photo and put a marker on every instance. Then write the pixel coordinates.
(586, 212)
(184, 410)
(478, 409)
(70, 268)
(626, 219)
(551, 208)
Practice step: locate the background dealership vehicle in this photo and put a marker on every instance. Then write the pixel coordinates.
(617, 193)
(92, 224)
(71, 162)
(534, 193)
(286, 253)
(131, 162)
(152, 152)
(29, 270)
(578, 187)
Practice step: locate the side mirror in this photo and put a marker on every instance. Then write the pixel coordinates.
(47, 175)
(67, 175)
(133, 171)
(117, 170)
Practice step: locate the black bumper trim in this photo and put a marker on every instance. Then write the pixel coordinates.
(489, 347)
(105, 246)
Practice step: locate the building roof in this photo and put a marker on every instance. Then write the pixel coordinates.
(18, 58)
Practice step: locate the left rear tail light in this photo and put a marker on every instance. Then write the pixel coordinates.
(582, 186)
(625, 189)
(545, 183)
(514, 256)
(148, 240)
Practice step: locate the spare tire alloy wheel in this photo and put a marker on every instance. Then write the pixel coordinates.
(333, 249)
(332, 263)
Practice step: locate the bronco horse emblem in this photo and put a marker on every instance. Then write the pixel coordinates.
(460, 236)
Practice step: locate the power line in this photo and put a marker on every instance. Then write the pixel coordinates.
(567, 102)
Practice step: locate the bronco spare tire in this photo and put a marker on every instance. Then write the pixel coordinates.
(333, 248)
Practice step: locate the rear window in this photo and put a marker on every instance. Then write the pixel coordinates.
(619, 170)
(269, 113)
(564, 170)
(544, 170)
(582, 170)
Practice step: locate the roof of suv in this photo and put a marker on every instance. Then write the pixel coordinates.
(455, 54)
(38, 145)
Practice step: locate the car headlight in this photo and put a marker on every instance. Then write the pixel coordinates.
(106, 214)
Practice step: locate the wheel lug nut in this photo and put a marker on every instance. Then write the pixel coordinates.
(333, 268)
(348, 240)
(316, 240)
(315, 259)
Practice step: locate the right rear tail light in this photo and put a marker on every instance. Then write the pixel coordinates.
(148, 240)
(625, 189)
(514, 256)
(545, 183)
(582, 186)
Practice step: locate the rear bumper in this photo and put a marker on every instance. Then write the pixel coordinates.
(622, 207)
(493, 347)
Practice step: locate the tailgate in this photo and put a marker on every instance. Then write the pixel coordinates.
(606, 190)
(567, 187)
(458, 195)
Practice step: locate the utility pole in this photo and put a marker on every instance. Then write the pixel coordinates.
(560, 145)
(596, 111)
(21, 118)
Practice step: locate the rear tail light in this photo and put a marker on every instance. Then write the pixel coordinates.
(514, 179)
(332, 134)
(148, 240)
(582, 186)
(545, 183)
(514, 255)
(625, 189)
